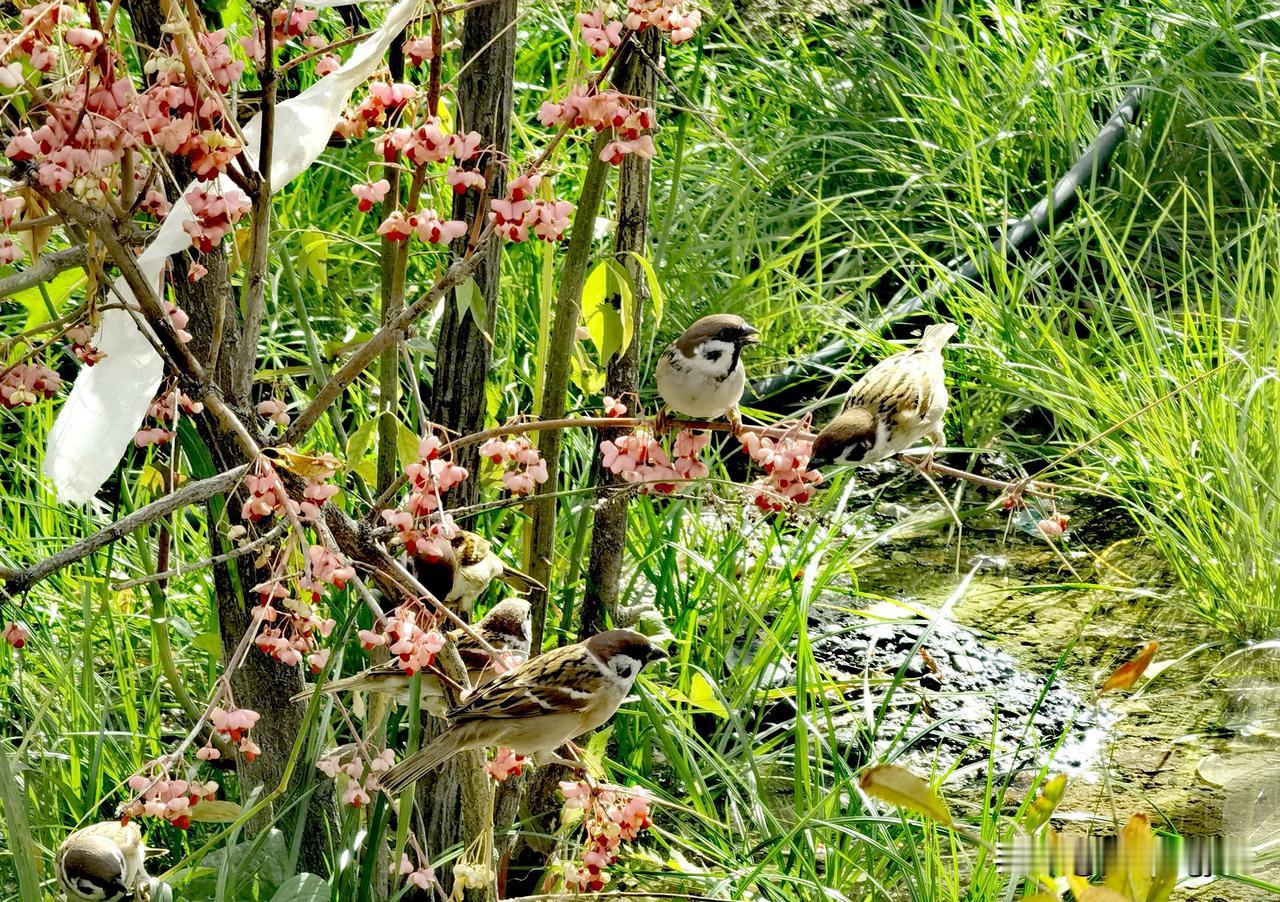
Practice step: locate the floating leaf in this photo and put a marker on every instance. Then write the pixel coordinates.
(215, 811)
(1130, 672)
(903, 789)
(315, 255)
(1043, 807)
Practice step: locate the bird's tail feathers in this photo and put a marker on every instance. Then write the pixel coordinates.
(412, 769)
(520, 581)
(937, 335)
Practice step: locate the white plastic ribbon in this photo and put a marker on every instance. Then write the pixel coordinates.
(109, 400)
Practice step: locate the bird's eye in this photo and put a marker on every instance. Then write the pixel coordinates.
(728, 335)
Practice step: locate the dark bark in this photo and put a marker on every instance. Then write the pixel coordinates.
(261, 683)
(453, 806)
(463, 350)
(609, 533)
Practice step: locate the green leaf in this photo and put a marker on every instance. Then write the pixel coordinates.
(215, 811)
(656, 303)
(210, 643)
(59, 289)
(302, 888)
(470, 299)
(359, 441)
(315, 255)
(407, 442)
(608, 308)
(702, 696)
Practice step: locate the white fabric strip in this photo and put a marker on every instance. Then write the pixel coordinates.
(109, 400)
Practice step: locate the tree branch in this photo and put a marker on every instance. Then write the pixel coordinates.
(49, 266)
(19, 581)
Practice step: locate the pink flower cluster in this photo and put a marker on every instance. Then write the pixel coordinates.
(605, 110)
(785, 460)
(614, 408)
(423, 878)
(10, 252)
(16, 634)
(216, 212)
(412, 636)
(430, 476)
(505, 763)
(23, 384)
(370, 193)
(426, 224)
(524, 466)
(164, 411)
(94, 115)
(234, 725)
(290, 626)
(81, 338)
(159, 796)
(361, 778)
(665, 15)
(520, 214)
(418, 51)
(267, 495)
(640, 459)
(274, 410)
(611, 818)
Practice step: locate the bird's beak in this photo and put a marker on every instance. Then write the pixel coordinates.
(750, 335)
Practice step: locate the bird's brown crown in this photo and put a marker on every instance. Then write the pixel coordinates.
(624, 642)
(469, 547)
(856, 425)
(508, 617)
(723, 326)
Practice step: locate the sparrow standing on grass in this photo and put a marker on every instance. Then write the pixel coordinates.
(507, 628)
(461, 577)
(701, 375)
(539, 706)
(899, 401)
(102, 862)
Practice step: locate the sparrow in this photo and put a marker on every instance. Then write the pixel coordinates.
(700, 374)
(898, 402)
(507, 628)
(462, 576)
(539, 706)
(103, 861)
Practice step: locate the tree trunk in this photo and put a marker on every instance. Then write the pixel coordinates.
(261, 683)
(609, 533)
(455, 801)
(463, 350)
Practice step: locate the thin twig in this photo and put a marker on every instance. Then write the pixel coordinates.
(19, 581)
(264, 539)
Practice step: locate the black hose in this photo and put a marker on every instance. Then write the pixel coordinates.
(1057, 206)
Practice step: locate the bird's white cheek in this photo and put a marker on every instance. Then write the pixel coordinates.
(624, 667)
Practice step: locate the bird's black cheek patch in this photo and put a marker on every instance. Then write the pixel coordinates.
(713, 356)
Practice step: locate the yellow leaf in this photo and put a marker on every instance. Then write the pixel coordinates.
(1127, 674)
(309, 466)
(215, 811)
(1043, 807)
(1131, 873)
(903, 789)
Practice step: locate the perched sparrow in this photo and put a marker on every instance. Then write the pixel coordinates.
(103, 861)
(461, 577)
(507, 627)
(539, 706)
(700, 375)
(899, 401)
